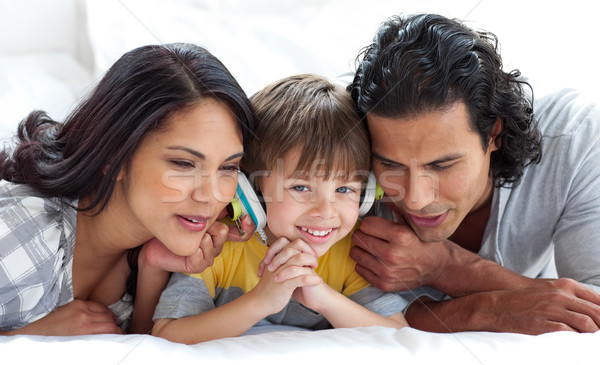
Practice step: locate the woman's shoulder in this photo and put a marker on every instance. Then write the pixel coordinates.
(27, 198)
(37, 237)
(26, 215)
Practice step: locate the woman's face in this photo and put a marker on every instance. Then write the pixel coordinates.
(182, 176)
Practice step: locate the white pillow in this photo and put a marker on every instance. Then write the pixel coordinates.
(53, 82)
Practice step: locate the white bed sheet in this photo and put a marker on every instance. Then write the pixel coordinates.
(370, 345)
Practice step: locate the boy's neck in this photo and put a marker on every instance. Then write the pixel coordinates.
(270, 236)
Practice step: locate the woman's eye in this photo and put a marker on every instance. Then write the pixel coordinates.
(231, 168)
(182, 163)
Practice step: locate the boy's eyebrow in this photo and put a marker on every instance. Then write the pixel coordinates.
(201, 155)
(441, 160)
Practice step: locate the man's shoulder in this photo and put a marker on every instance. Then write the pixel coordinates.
(566, 113)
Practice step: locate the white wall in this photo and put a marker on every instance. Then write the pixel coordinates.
(51, 51)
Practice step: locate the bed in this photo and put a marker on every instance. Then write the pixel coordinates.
(369, 345)
(53, 51)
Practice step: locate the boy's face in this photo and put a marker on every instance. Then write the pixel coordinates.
(319, 211)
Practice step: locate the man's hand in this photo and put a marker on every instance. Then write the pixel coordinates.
(78, 317)
(552, 305)
(547, 306)
(391, 256)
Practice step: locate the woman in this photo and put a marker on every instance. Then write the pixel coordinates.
(149, 160)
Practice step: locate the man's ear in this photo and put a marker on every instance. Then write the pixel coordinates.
(495, 141)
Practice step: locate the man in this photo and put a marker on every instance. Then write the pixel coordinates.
(477, 213)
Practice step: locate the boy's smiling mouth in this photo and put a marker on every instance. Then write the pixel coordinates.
(317, 233)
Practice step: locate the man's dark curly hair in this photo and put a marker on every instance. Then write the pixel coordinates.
(426, 62)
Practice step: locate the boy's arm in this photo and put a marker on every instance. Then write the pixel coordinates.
(342, 311)
(229, 320)
(236, 317)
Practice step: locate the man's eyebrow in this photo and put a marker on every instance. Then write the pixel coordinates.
(447, 158)
(384, 159)
(441, 160)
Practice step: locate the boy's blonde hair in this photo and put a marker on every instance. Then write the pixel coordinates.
(310, 113)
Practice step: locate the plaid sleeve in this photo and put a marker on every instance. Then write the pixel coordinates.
(33, 257)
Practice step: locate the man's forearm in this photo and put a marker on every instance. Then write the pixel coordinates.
(547, 306)
(461, 314)
(466, 273)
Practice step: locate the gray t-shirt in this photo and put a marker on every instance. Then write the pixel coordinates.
(554, 212)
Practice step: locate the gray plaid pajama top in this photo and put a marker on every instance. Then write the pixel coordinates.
(37, 239)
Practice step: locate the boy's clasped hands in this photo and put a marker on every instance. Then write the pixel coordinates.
(287, 270)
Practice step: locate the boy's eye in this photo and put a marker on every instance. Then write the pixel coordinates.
(344, 190)
(300, 188)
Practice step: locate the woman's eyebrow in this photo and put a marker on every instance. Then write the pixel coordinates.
(201, 155)
(233, 157)
(198, 154)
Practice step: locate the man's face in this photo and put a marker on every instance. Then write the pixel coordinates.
(434, 168)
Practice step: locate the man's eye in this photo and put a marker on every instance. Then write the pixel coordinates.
(389, 165)
(441, 167)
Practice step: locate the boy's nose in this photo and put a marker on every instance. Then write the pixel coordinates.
(323, 208)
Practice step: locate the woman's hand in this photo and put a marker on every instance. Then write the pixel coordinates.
(79, 317)
(239, 235)
(159, 256)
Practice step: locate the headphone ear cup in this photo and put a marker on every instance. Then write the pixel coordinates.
(368, 196)
(250, 203)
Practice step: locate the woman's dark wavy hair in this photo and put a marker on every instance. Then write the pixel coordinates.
(138, 93)
(83, 156)
(426, 62)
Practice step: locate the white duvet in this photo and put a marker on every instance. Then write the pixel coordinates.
(368, 346)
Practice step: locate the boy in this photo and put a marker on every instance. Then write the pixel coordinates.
(309, 159)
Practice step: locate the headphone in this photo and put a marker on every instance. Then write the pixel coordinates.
(246, 201)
